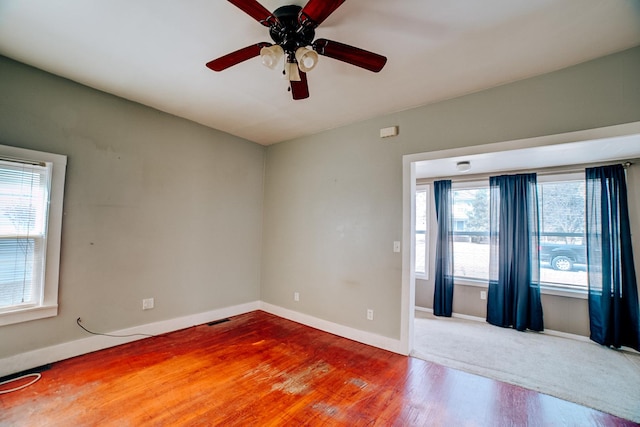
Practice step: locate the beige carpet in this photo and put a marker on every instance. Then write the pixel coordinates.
(581, 372)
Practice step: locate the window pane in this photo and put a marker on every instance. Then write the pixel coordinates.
(16, 272)
(562, 226)
(421, 231)
(23, 219)
(471, 233)
(22, 200)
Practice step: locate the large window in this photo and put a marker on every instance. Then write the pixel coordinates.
(422, 225)
(563, 256)
(30, 222)
(561, 202)
(471, 230)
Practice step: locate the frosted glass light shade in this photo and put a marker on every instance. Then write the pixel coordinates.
(271, 55)
(463, 166)
(307, 59)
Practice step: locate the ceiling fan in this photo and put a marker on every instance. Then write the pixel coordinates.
(292, 28)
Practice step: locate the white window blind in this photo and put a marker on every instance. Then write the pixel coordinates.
(24, 203)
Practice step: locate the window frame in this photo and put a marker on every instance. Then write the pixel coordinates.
(48, 305)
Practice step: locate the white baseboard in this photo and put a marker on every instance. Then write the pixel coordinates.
(55, 353)
(546, 331)
(43, 356)
(358, 335)
(566, 335)
(456, 315)
(31, 359)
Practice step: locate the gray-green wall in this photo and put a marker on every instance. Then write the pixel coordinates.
(333, 200)
(155, 206)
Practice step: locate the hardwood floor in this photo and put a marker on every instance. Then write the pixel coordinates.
(261, 370)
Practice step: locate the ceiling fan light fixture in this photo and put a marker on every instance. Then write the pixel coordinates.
(307, 59)
(464, 166)
(271, 55)
(292, 29)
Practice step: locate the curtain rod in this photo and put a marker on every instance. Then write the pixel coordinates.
(540, 171)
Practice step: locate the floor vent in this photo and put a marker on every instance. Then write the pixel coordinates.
(217, 322)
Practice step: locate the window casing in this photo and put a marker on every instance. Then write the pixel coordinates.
(31, 194)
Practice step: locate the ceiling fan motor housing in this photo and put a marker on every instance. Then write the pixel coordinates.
(290, 34)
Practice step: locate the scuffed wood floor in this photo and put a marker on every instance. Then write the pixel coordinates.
(261, 370)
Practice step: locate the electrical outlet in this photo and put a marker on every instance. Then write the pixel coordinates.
(147, 303)
(369, 314)
(483, 294)
(296, 296)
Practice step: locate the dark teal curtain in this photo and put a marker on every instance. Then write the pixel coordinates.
(513, 299)
(443, 291)
(613, 291)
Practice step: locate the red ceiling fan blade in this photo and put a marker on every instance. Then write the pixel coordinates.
(300, 90)
(316, 11)
(256, 11)
(349, 54)
(236, 57)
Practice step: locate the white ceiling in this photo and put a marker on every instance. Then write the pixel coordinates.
(154, 52)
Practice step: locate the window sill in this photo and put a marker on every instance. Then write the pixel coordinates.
(545, 288)
(27, 314)
(471, 282)
(550, 289)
